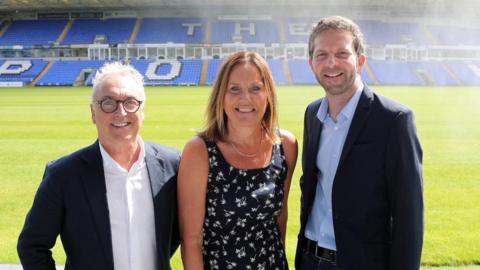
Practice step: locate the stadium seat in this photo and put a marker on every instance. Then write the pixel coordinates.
(64, 73)
(275, 65)
(173, 30)
(33, 32)
(20, 70)
(84, 31)
(245, 32)
(169, 72)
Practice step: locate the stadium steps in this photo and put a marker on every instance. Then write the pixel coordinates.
(203, 74)
(430, 37)
(208, 31)
(136, 29)
(65, 31)
(425, 77)
(281, 32)
(451, 73)
(82, 78)
(5, 27)
(41, 74)
(286, 71)
(372, 75)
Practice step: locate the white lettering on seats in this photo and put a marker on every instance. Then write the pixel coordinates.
(172, 74)
(19, 66)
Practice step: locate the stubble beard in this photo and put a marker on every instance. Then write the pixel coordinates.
(339, 89)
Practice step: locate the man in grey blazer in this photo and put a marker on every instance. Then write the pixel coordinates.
(362, 202)
(113, 203)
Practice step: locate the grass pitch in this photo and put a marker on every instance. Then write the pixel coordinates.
(41, 124)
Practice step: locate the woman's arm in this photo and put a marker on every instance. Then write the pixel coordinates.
(192, 189)
(290, 148)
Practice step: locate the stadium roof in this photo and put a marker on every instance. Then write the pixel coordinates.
(20, 5)
(457, 9)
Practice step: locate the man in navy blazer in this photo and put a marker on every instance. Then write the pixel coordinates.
(113, 203)
(362, 194)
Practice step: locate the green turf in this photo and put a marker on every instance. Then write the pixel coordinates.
(41, 124)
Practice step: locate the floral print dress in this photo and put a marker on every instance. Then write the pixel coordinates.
(240, 229)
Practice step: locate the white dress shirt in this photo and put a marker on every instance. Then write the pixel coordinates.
(130, 204)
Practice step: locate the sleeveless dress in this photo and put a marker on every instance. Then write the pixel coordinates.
(240, 229)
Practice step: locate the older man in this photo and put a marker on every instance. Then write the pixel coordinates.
(113, 203)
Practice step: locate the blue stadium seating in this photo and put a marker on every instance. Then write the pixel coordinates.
(263, 32)
(375, 32)
(436, 72)
(467, 72)
(212, 70)
(395, 72)
(25, 76)
(302, 73)
(381, 33)
(410, 72)
(452, 35)
(297, 30)
(274, 64)
(64, 73)
(174, 30)
(33, 32)
(189, 72)
(193, 31)
(83, 31)
(366, 77)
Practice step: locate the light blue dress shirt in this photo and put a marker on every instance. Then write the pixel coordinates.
(320, 222)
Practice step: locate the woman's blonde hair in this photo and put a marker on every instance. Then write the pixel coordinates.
(216, 123)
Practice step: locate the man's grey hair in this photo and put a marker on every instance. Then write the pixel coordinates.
(117, 68)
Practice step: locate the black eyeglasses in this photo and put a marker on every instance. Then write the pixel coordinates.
(109, 105)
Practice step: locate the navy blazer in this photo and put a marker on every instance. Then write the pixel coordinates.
(71, 202)
(377, 194)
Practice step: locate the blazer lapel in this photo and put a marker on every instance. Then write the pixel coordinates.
(311, 157)
(315, 126)
(359, 119)
(156, 174)
(93, 177)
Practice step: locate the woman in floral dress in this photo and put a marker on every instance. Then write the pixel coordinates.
(234, 177)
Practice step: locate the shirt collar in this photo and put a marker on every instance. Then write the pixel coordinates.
(111, 165)
(347, 111)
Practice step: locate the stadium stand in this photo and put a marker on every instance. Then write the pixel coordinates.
(381, 33)
(277, 71)
(302, 73)
(391, 72)
(283, 41)
(366, 77)
(244, 32)
(433, 73)
(453, 35)
(84, 31)
(33, 32)
(174, 30)
(394, 72)
(274, 64)
(20, 70)
(297, 30)
(213, 67)
(169, 72)
(65, 73)
(467, 72)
